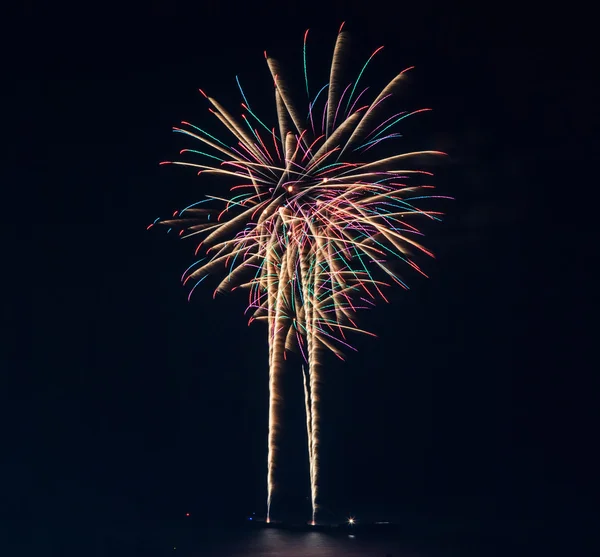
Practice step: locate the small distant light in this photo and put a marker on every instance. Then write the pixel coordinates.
(187, 514)
(250, 518)
(351, 521)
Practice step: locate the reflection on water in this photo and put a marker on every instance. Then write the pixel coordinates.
(275, 543)
(219, 540)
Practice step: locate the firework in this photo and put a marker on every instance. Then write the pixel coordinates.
(312, 224)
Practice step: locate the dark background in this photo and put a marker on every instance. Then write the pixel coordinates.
(123, 402)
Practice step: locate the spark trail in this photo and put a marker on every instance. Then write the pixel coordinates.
(314, 225)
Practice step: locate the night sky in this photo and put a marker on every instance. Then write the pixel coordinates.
(124, 401)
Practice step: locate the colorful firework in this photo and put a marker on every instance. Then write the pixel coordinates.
(312, 225)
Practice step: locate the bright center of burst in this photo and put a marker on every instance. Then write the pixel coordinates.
(290, 188)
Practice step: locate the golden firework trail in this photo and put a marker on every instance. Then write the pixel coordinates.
(313, 225)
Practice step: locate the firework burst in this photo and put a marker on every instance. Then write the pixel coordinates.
(312, 225)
